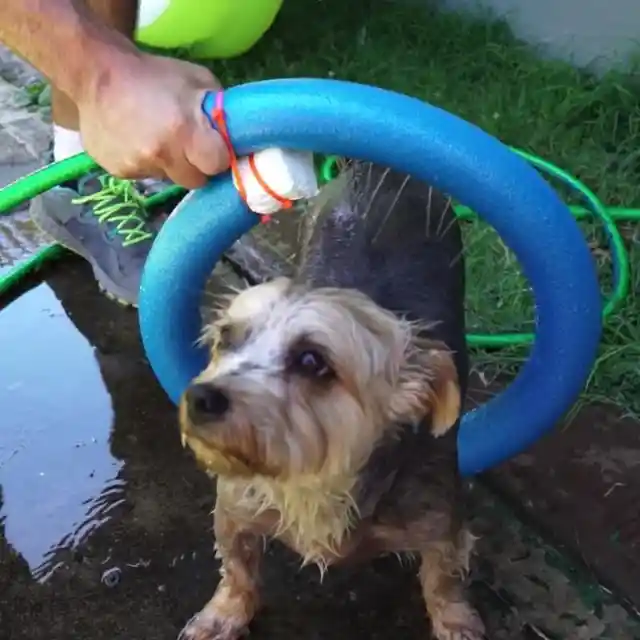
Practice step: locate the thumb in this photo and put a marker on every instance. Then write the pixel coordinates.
(205, 148)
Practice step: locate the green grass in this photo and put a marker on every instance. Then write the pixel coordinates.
(475, 68)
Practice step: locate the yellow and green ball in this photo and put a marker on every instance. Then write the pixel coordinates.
(206, 28)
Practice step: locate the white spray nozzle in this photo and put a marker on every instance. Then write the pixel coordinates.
(291, 175)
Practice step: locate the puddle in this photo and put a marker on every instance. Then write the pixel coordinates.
(99, 504)
(58, 477)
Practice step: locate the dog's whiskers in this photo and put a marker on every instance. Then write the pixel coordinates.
(452, 221)
(375, 193)
(456, 259)
(428, 212)
(439, 232)
(391, 208)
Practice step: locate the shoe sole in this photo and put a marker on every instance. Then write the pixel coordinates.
(60, 235)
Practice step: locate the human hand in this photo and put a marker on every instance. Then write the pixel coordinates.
(142, 118)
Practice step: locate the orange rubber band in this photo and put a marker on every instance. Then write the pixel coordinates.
(285, 203)
(219, 120)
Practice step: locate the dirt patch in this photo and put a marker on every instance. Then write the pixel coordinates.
(582, 485)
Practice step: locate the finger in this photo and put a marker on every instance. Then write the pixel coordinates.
(180, 170)
(205, 147)
(125, 171)
(137, 171)
(186, 175)
(120, 163)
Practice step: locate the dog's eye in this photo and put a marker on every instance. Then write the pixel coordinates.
(312, 363)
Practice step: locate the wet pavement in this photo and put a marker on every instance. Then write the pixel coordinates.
(24, 140)
(105, 526)
(105, 521)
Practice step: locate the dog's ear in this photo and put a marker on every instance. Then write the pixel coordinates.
(427, 384)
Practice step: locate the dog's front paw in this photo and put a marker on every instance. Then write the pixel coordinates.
(206, 625)
(457, 621)
(225, 617)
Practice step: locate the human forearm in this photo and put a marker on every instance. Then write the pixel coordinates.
(65, 42)
(139, 115)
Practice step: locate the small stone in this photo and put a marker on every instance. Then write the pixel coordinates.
(111, 577)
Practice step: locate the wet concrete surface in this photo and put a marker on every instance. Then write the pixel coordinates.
(105, 526)
(589, 496)
(24, 140)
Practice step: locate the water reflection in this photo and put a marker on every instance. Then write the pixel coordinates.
(59, 478)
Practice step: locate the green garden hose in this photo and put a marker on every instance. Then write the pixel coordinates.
(38, 182)
(77, 166)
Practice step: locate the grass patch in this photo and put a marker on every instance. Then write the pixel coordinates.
(475, 68)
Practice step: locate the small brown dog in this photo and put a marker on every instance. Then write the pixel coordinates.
(330, 408)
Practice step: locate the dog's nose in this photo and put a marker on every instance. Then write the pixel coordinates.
(205, 401)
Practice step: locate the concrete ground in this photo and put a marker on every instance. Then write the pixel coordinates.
(105, 521)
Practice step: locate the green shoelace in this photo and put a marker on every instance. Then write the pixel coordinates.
(119, 204)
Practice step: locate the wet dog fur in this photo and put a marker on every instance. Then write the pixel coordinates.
(330, 408)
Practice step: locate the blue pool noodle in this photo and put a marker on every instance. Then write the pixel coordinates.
(359, 121)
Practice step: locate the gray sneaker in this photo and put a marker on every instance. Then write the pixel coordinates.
(105, 222)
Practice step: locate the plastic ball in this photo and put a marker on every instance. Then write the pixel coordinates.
(216, 29)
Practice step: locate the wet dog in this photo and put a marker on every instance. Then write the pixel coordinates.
(330, 407)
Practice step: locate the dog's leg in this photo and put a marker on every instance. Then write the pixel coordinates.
(442, 575)
(227, 615)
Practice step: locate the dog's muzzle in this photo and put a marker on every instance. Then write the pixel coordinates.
(206, 403)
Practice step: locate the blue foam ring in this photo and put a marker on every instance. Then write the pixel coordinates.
(359, 121)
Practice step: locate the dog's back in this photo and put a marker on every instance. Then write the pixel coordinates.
(397, 240)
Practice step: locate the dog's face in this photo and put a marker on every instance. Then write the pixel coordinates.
(307, 381)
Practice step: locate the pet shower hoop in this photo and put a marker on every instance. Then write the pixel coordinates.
(333, 117)
(391, 129)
